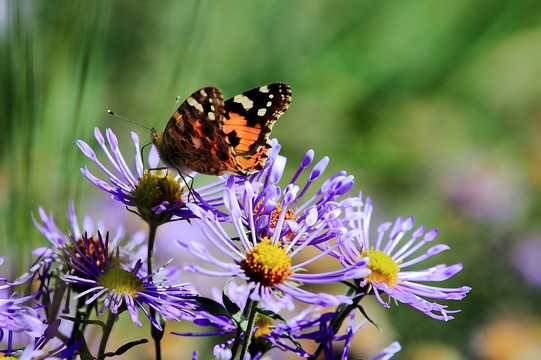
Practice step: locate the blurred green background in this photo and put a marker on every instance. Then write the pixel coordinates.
(433, 107)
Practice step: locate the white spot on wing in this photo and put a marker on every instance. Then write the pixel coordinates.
(269, 103)
(244, 101)
(271, 96)
(211, 116)
(264, 89)
(203, 92)
(261, 112)
(191, 101)
(212, 107)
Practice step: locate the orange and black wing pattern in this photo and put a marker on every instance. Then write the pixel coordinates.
(210, 136)
(248, 121)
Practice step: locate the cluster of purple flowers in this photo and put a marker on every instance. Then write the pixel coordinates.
(266, 236)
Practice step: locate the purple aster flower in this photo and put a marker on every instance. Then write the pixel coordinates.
(309, 324)
(293, 208)
(525, 259)
(50, 261)
(15, 316)
(391, 254)
(266, 262)
(264, 336)
(98, 268)
(486, 189)
(157, 195)
(45, 348)
(58, 238)
(18, 315)
(98, 278)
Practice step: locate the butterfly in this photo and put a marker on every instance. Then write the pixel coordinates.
(211, 136)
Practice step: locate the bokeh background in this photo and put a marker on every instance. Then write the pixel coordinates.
(435, 108)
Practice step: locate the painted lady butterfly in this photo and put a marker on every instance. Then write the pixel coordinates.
(211, 136)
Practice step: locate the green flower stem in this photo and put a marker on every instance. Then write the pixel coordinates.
(80, 308)
(155, 333)
(152, 227)
(237, 342)
(249, 313)
(251, 306)
(111, 318)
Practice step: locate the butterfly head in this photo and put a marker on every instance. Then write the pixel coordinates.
(155, 136)
(157, 139)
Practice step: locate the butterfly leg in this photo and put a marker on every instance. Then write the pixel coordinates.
(189, 185)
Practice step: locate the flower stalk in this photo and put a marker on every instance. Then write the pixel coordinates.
(111, 319)
(156, 334)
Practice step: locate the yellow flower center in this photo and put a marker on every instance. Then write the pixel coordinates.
(267, 264)
(154, 189)
(384, 268)
(122, 281)
(259, 344)
(262, 323)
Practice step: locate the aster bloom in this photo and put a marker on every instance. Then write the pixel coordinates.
(391, 254)
(108, 269)
(157, 195)
(47, 226)
(43, 348)
(264, 262)
(129, 250)
(17, 316)
(50, 259)
(98, 279)
(267, 332)
(292, 207)
(317, 326)
(310, 324)
(239, 294)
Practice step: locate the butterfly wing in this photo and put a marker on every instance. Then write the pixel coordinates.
(247, 123)
(192, 139)
(210, 136)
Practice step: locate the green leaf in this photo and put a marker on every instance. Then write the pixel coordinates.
(81, 321)
(121, 350)
(235, 312)
(212, 307)
(361, 309)
(271, 314)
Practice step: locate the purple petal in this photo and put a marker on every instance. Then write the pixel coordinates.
(319, 168)
(86, 149)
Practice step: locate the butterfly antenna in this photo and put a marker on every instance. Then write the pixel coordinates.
(128, 120)
(175, 105)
